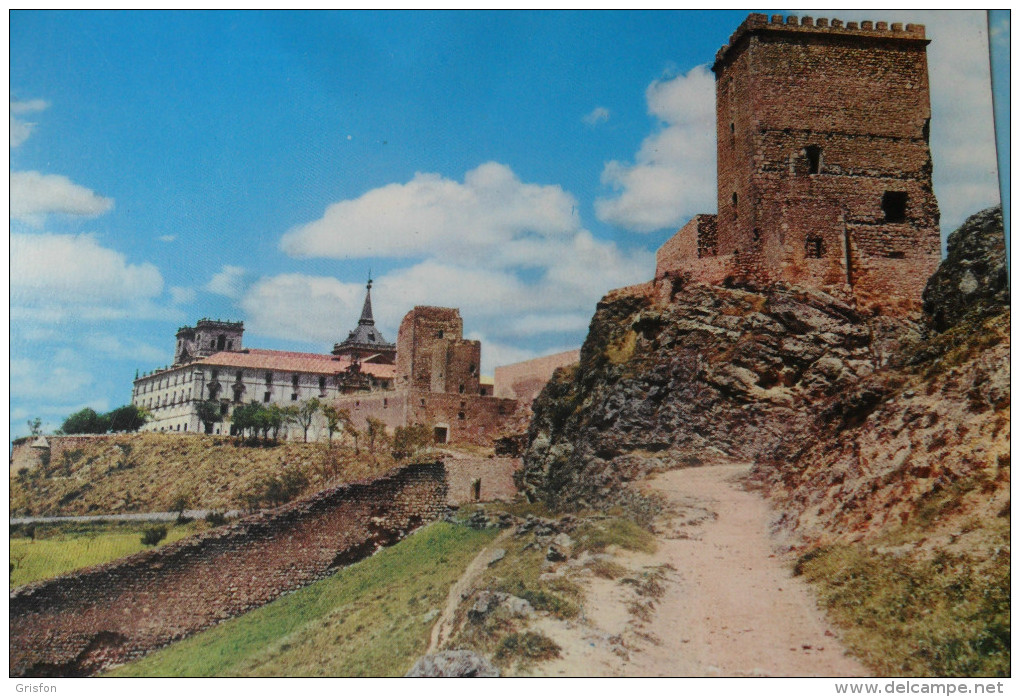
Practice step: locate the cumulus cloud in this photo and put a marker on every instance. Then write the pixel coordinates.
(51, 379)
(512, 256)
(34, 196)
(329, 307)
(21, 130)
(180, 295)
(433, 215)
(672, 176)
(598, 115)
(229, 281)
(55, 277)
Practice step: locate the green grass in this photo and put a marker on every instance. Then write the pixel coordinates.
(59, 550)
(917, 614)
(370, 619)
(597, 536)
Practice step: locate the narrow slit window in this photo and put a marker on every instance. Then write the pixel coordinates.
(814, 248)
(814, 158)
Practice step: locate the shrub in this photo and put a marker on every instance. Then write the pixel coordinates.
(215, 518)
(154, 535)
(527, 647)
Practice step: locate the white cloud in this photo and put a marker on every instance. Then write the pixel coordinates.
(432, 215)
(673, 175)
(598, 115)
(21, 130)
(229, 281)
(123, 347)
(180, 295)
(511, 256)
(46, 379)
(328, 308)
(35, 195)
(167, 238)
(56, 277)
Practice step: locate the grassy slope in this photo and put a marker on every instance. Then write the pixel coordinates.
(917, 613)
(145, 472)
(370, 619)
(59, 550)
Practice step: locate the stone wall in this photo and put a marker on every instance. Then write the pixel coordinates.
(78, 624)
(523, 381)
(495, 477)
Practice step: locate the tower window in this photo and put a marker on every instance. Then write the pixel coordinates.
(894, 205)
(814, 248)
(814, 158)
(734, 199)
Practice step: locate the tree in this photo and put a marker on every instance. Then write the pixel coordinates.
(376, 431)
(246, 417)
(127, 418)
(86, 421)
(276, 418)
(335, 418)
(409, 440)
(35, 426)
(306, 413)
(208, 413)
(152, 536)
(353, 433)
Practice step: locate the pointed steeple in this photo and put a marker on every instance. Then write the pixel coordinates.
(366, 311)
(366, 341)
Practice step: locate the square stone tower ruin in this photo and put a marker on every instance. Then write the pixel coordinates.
(824, 168)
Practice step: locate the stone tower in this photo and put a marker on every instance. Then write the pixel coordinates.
(206, 338)
(824, 169)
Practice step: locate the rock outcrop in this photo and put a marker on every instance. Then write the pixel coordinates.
(929, 430)
(850, 418)
(711, 373)
(973, 277)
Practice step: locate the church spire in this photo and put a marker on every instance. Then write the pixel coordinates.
(366, 311)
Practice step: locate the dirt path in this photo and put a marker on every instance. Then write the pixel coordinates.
(730, 608)
(444, 624)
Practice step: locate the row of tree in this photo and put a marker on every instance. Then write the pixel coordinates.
(256, 420)
(122, 419)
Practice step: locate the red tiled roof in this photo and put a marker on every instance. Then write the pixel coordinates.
(292, 362)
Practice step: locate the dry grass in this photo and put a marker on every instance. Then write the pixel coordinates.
(127, 473)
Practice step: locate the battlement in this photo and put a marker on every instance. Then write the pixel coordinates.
(761, 24)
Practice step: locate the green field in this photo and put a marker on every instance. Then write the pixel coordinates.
(60, 549)
(370, 619)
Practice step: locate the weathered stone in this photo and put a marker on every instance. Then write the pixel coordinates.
(453, 664)
(973, 277)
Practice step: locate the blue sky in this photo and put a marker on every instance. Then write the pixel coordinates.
(254, 166)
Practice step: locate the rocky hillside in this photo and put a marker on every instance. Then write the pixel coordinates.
(766, 375)
(932, 426)
(714, 373)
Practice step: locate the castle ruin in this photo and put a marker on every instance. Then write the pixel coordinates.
(824, 169)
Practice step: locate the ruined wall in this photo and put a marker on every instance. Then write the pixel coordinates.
(494, 474)
(523, 381)
(467, 418)
(419, 331)
(694, 251)
(79, 623)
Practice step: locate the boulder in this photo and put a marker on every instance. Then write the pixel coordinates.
(453, 664)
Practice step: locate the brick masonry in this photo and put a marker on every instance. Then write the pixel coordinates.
(495, 477)
(824, 168)
(77, 624)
